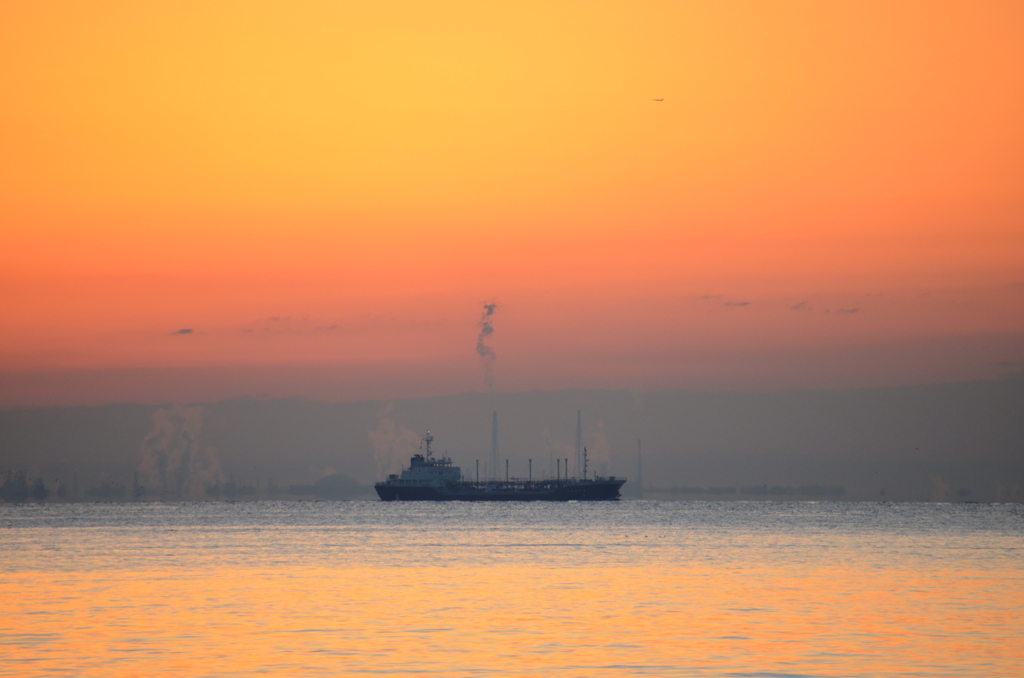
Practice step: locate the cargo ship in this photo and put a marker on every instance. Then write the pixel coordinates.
(431, 478)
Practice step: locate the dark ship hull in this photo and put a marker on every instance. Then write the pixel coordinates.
(539, 490)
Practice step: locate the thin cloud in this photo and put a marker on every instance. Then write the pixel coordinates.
(848, 311)
(1010, 363)
(737, 303)
(800, 306)
(184, 330)
(325, 329)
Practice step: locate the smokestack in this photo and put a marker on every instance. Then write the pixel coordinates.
(639, 472)
(494, 442)
(579, 442)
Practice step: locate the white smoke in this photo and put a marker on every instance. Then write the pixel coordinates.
(173, 456)
(486, 353)
(392, 444)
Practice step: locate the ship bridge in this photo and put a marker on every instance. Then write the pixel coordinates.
(427, 467)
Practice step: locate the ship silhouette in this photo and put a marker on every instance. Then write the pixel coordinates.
(431, 478)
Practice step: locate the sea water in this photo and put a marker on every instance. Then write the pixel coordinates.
(630, 588)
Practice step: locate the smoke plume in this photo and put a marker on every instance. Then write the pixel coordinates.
(486, 353)
(392, 444)
(173, 456)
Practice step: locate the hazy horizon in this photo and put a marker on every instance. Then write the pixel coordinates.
(941, 442)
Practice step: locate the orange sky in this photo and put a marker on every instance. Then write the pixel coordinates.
(829, 195)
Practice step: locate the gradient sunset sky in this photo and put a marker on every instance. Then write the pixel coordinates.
(326, 194)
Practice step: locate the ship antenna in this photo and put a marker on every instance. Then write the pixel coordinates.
(584, 463)
(428, 439)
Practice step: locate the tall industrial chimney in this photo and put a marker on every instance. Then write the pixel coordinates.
(578, 461)
(639, 472)
(494, 442)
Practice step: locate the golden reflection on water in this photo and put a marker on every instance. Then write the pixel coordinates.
(669, 614)
(515, 621)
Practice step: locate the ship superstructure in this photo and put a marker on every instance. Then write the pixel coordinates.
(431, 478)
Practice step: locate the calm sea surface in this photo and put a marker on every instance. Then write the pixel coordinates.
(606, 589)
